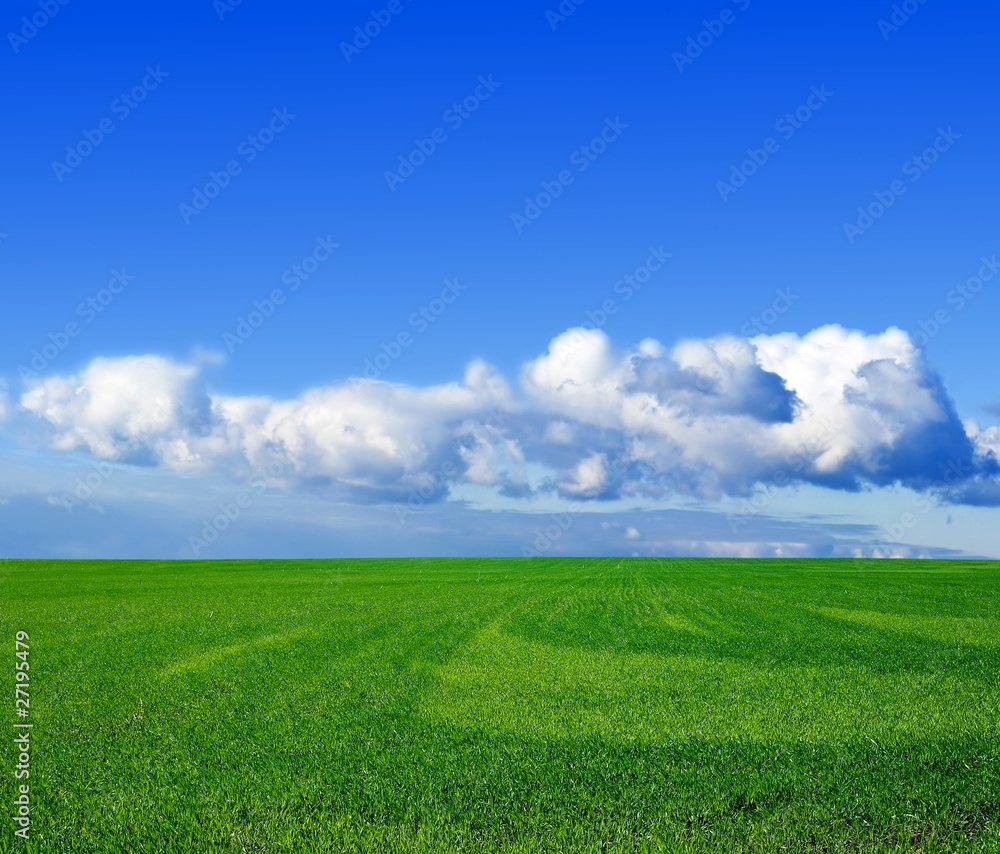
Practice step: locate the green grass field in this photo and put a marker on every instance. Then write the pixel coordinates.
(507, 705)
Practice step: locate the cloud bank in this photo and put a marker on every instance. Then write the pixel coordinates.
(706, 418)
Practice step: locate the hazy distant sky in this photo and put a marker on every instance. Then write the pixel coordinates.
(773, 227)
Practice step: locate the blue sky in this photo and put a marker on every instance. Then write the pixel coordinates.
(462, 186)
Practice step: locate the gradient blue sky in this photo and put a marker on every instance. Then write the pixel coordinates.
(323, 176)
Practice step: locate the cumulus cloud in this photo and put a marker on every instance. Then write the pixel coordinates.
(138, 409)
(834, 407)
(359, 441)
(372, 441)
(975, 482)
(590, 478)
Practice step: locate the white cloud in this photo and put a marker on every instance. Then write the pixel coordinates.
(589, 478)
(368, 439)
(360, 441)
(986, 441)
(143, 409)
(708, 417)
(834, 407)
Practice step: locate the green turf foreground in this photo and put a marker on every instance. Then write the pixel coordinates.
(506, 705)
